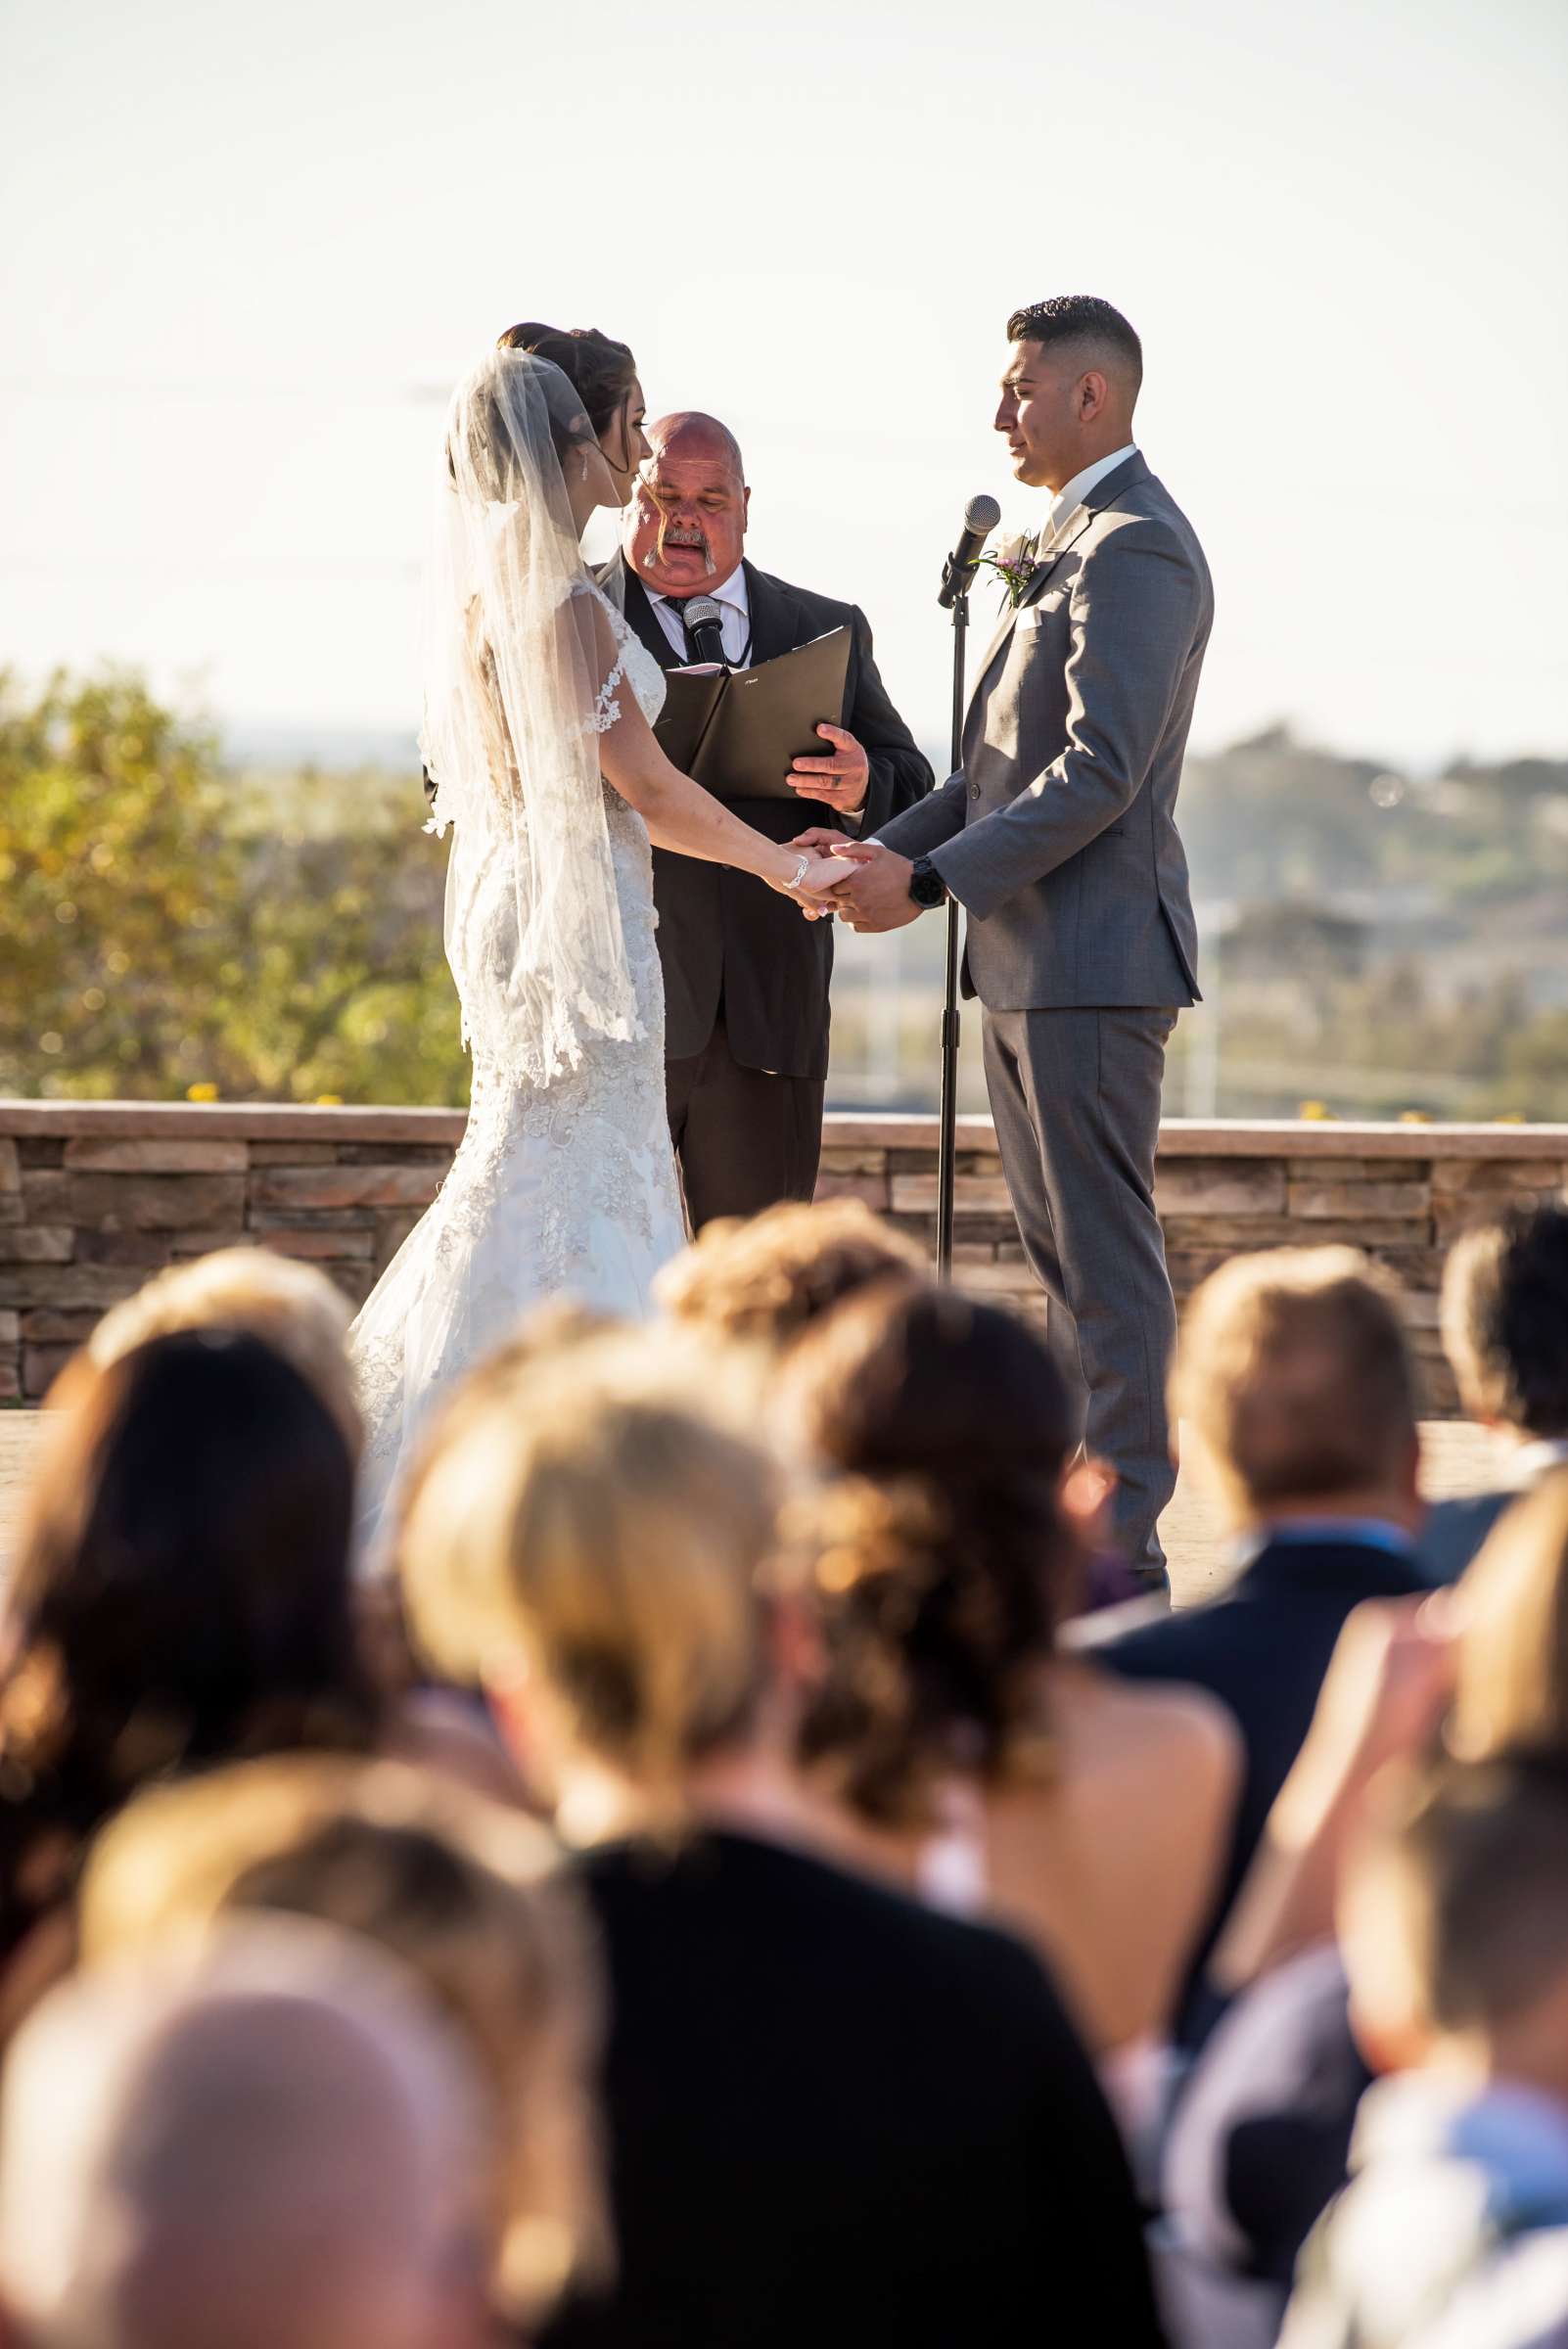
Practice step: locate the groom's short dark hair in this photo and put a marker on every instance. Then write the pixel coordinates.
(1078, 318)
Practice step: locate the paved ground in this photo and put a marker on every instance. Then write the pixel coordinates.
(1457, 1461)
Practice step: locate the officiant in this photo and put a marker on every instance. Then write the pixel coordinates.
(746, 980)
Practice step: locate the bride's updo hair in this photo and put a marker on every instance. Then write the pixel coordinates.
(499, 407)
(602, 369)
(936, 1561)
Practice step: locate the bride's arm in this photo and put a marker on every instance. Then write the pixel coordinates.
(680, 815)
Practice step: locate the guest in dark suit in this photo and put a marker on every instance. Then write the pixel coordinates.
(745, 980)
(1505, 1334)
(1294, 1388)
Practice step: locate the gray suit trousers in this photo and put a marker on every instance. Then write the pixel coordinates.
(1075, 1099)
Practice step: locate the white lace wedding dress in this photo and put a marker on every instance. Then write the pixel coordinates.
(566, 1187)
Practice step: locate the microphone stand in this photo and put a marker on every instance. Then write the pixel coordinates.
(946, 1128)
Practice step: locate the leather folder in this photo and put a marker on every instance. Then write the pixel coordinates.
(737, 731)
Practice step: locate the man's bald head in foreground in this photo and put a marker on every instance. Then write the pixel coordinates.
(685, 528)
(266, 2143)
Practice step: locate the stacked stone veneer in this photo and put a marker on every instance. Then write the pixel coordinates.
(95, 1195)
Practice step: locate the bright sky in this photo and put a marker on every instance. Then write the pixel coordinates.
(248, 248)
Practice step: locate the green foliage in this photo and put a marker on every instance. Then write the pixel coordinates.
(1382, 944)
(166, 930)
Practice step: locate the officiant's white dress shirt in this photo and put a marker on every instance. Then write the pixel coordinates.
(1065, 504)
(735, 625)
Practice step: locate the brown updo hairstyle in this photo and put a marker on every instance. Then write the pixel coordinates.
(938, 1560)
(602, 369)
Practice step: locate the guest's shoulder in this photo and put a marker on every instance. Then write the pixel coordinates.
(1156, 1643)
(786, 1890)
(1454, 1531)
(1173, 1730)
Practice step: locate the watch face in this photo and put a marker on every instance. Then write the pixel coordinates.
(925, 883)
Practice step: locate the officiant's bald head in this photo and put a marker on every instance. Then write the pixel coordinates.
(685, 528)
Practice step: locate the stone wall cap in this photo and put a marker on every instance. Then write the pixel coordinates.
(234, 1120)
(1238, 1138)
(1180, 1138)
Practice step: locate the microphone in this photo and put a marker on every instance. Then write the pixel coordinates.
(981, 517)
(704, 616)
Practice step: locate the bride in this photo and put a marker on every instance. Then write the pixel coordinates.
(537, 735)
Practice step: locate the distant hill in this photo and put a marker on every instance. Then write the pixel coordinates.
(330, 750)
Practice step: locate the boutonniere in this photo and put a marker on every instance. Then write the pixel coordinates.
(1013, 562)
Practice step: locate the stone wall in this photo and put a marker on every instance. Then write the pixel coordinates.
(94, 1195)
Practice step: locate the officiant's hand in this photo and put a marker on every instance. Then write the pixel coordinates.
(876, 895)
(839, 782)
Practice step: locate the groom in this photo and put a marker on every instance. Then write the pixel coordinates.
(1057, 835)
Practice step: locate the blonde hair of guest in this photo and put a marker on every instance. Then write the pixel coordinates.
(590, 1527)
(292, 1305)
(466, 1892)
(1293, 1377)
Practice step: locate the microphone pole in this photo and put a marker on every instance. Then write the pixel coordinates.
(981, 517)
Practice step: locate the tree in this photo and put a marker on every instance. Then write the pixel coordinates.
(161, 933)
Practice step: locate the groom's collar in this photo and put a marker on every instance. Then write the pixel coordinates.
(1076, 493)
(1075, 508)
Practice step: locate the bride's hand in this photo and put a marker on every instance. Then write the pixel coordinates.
(813, 889)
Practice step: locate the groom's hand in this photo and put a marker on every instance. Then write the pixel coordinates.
(877, 896)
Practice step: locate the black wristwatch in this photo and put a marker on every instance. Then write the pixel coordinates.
(926, 884)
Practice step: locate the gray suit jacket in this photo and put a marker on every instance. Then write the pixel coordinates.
(1058, 832)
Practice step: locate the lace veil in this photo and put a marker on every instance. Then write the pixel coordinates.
(522, 664)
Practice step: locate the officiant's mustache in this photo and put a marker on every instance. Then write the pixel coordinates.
(676, 534)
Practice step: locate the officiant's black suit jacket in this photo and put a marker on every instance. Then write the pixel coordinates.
(726, 936)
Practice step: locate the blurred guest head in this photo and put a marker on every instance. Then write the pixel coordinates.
(939, 1563)
(299, 1313)
(270, 2142)
(1505, 1321)
(1293, 1380)
(765, 1281)
(1453, 1919)
(180, 1594)
(1511, 1684)
(685, 528)
(586, 1541)
(465, 1892)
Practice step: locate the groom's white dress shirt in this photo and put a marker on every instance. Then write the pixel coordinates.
(735, 626)
(1065, 504)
